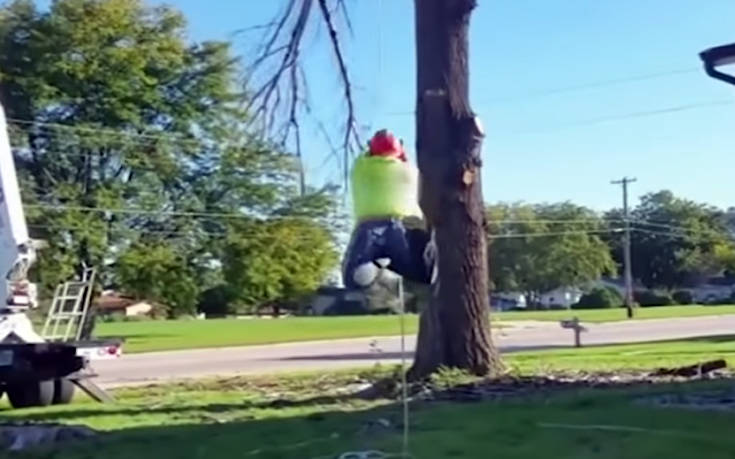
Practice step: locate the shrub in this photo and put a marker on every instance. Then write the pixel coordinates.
(110, 318)
(217, 301)
(347, 308)
(598, 298)
(652, 298)
(120, 317)
(683, 297)
(718, 301)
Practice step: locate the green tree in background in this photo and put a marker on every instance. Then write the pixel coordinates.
(676, 241)
(131, 147)
(537, 248)
(157, 273)
(277, 262)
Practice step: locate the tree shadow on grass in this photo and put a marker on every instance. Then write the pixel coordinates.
(438, 430)
(128, 336)
(325, 434)
(710, 339)
(407, 355)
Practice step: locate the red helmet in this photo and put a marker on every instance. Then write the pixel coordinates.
(384, 143)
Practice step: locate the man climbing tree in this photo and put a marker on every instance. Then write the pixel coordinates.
(454, 329)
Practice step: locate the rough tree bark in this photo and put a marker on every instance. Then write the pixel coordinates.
(454, 330)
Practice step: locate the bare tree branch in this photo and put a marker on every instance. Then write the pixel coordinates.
(282, 97)
(351, 128)
(294, 121)
(281, 24)
(260, 100)
(345, 14)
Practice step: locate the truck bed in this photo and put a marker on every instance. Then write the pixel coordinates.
(38, 361)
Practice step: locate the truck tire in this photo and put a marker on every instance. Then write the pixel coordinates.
(31, 393)
(63, 391)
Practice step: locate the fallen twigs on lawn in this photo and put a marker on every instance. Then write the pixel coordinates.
(698, 369)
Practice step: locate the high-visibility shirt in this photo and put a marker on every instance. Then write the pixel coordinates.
(384, 187)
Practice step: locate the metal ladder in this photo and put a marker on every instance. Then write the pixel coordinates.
(69, 309)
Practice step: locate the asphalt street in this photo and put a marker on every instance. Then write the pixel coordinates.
(161, 366)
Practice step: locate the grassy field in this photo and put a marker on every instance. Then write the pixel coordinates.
(617, 314)
(626, 356)
(192, 334)
(236, 417)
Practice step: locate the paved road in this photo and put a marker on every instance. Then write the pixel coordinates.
(160, 366)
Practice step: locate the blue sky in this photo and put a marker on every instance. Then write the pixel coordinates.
(541, 146)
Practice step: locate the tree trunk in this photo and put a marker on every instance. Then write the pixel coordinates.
(454, 330)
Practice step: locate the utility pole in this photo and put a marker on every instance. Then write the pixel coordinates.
(626, 246)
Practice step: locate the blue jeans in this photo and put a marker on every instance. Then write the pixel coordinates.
(376, 239)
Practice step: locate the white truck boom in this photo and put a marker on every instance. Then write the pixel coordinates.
(17, 251)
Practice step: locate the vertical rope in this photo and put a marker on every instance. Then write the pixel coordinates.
(404, 381)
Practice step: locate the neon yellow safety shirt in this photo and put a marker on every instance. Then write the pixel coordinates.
(384, 187)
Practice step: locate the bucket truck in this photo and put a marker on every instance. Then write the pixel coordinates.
(40, 369)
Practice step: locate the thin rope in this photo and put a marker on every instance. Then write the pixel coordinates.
(404, 382)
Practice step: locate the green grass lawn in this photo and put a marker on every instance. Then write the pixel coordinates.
(232, 418)
(617, 314)
(192, 334)
(626, 356)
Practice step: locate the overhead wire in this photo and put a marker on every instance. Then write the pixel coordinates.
(138, 211)
(581, 87)
(679, 232)
(553, 233)
(631, 115)
(175, 137)
(600, 84)
(659, 233)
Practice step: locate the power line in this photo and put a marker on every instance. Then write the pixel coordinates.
(559, 221)
(134, 211)
(108, 131)
(601, 84)
(182, 233)
(666, 226)
(660, 233)
(231, 215)
(632, 115)
(581, 87)
(194, 231)
(549, 234)
(678, 232)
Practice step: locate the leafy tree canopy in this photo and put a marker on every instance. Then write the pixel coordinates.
(536, 248)
(131, 146)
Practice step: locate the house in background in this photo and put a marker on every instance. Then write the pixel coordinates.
(560, 298)
(617, 283)
(110, 303)
(337, 301)
(504, 301)
(713, 290)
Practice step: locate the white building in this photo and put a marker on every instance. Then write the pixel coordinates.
(561, 297)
